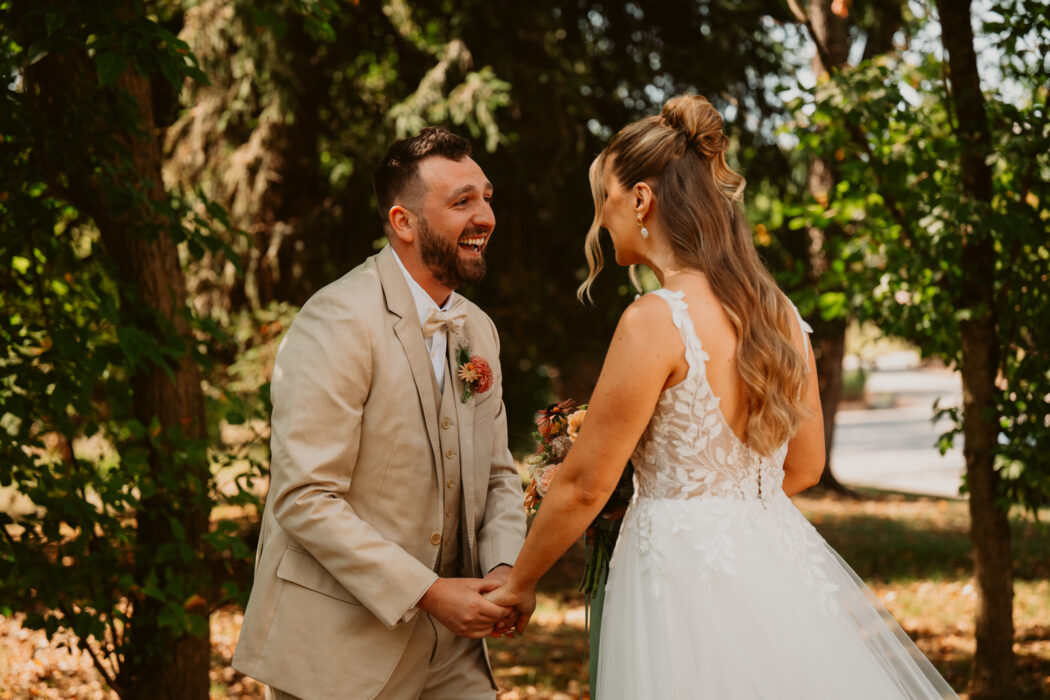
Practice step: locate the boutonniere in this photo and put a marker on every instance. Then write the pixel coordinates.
(475, 372)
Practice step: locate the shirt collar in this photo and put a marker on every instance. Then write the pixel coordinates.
(424, 302)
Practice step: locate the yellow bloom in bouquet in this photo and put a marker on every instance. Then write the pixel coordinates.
(574, 423)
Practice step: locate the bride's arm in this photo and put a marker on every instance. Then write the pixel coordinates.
(805, 457)
(637, 366)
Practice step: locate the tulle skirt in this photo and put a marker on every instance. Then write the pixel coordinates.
(714, 599)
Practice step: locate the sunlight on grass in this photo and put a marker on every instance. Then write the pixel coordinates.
(550, 661)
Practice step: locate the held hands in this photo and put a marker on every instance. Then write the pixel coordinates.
(459, 605)
(521, 602)
(471, 607)
(505, 627)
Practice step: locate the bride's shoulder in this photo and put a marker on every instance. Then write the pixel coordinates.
(648, 313)
(650, 303)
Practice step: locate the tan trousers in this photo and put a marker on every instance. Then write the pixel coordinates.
(436, 665)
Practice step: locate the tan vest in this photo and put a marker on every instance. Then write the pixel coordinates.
(448, 563)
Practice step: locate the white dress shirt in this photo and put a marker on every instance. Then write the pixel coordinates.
(437, 344)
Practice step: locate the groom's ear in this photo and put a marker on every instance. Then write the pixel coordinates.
(400, 220)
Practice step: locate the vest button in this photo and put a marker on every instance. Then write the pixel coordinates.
(435, 538)
(450, 483)
(450, 453)
(446, 423)
(448, 511)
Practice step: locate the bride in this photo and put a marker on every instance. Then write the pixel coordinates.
(718, 588)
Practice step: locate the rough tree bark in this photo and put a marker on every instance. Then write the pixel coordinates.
(136, 239)
(990, 527)
(149, 263)
(829, 337)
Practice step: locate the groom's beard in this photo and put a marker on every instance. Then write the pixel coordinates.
(444, 262)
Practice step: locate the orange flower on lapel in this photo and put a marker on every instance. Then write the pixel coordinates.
(474, 372)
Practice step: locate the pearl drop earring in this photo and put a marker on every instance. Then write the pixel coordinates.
(644, 231)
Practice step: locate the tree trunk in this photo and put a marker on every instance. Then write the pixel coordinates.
(298, 265)
(829, 349)
(990, 528)
(148, 262)
(829, 337)
(888, 18)
(153, 293)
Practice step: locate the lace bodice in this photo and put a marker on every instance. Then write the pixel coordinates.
(688, 449)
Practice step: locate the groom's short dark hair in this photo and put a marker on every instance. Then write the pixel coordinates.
(400, 167)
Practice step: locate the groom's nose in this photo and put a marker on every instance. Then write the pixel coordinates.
(484, 218)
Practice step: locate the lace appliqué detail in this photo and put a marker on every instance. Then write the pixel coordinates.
(688, 449)
(801, 544)
(687, 452)
(652, 555)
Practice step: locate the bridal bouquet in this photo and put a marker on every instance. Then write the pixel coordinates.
(556, 429)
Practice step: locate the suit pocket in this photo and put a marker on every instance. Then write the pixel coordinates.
(300, 568)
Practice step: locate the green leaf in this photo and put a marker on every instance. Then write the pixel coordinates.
(833, 305)
(110, 66)
(53, 21)
(177, 530)
(235, 418)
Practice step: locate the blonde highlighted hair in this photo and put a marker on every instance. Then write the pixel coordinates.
(681, 155)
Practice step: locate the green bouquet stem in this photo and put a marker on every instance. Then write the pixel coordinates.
(595, 632)
(598, 551)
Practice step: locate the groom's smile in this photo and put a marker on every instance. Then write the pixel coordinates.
(473, 243)
(452, 264)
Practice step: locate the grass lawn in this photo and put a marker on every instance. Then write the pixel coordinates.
(913, 552)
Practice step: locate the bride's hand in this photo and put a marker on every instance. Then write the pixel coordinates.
(523, 601)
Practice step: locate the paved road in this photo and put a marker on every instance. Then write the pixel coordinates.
(894, 448)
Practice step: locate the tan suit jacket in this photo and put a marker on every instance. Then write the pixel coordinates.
(353, 521)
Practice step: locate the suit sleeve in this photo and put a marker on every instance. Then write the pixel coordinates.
(502, 528)
(321, 380)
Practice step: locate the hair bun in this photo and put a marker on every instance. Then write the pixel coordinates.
(699, 121)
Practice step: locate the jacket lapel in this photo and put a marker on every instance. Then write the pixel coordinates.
(406, 327)
(465, 423)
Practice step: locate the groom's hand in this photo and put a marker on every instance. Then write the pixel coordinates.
(459, 604)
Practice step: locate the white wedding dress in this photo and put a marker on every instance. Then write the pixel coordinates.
(719, 588)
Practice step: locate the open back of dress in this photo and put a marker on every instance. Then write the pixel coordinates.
(720, 589)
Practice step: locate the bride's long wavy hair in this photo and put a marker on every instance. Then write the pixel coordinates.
(681, 154)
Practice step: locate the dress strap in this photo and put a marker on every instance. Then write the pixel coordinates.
(695, 354)
(806, 328)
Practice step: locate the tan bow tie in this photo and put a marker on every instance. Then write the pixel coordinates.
(453, 320)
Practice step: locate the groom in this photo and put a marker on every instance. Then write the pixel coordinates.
(392, 489)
